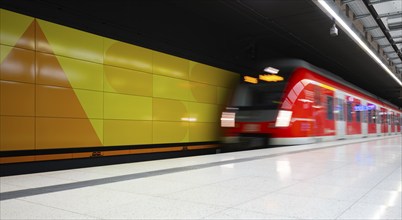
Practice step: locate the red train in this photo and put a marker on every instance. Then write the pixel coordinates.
(303, 104)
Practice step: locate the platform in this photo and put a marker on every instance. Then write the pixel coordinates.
(348, 179)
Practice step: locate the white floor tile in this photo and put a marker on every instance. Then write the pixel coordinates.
(213, 195)
(84, 200)
(17, 209)
(255, 183)
(243, 214)
(383, 197)
(296, 206)
(147, 186)
(312, 190)
(391, 185)
(158, 208)
(32, 181)
(364, 211)
(7, 187)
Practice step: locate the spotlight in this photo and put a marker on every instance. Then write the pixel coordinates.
(333, 31)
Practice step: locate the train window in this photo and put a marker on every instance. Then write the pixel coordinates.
(364, 116)
(341, 115)
(330, 108)
(378, 116)
(372, 116)
(258, 96)
(349, 111)
(389, 118)
(357, 113)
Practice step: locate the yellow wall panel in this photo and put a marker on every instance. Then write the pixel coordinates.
(170, 132)
(120, 106)
(54, 101)
(82, 74)
(17, 133)
(171, 88)
(223, 95)
(91, 102)
(227, 79)
(4, 51)
(169, 110)
(203, 112)
(127, 132)
(69, 42)
(49, 71)
(120, 80)
(204, 92)
(204, 132)
(203, 73)
(17, 30)
(168, 65)
(64, 133)
(18, 65)
(17, 99)
(211, 75)
(97, 125)
(121, 54)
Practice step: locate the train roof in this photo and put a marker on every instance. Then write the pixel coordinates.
(292, 64)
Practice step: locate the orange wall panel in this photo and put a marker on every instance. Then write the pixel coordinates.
(49, 71)
(54, 101)
(64, 133)
(17, 133)
(17, 99)
(18, 65)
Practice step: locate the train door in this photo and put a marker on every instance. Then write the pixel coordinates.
(399, 119)
(371, 119)
(392, 121)
(363, 110)
(323, 112)
(384, 123)
(318, 112)
(378, 114)
(340, 114)
(353, 117)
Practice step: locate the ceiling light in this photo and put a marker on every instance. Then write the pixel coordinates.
(271, 70)
(356, 38)
(333, 31)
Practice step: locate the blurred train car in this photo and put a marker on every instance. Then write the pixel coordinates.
(298, 103)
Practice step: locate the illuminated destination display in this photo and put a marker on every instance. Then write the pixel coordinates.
(250, 79)
(271, 78)
(360, 108)
(266, 78)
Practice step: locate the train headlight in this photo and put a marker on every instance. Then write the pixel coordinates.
(283, 118)
(228, 119)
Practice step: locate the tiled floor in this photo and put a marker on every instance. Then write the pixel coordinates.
(349, 179)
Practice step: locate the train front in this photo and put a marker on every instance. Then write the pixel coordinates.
(254, 114)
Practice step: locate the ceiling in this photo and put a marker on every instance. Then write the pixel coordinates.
(239, 35)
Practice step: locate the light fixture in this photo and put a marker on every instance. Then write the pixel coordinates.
(250, 79)
(333, 31)
(271, 70)
(356, 38)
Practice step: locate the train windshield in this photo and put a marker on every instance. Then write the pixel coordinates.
(258, 96)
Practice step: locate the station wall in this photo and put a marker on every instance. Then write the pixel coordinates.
(65, 88)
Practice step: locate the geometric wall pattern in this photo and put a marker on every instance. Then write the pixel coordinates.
(65, 88)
